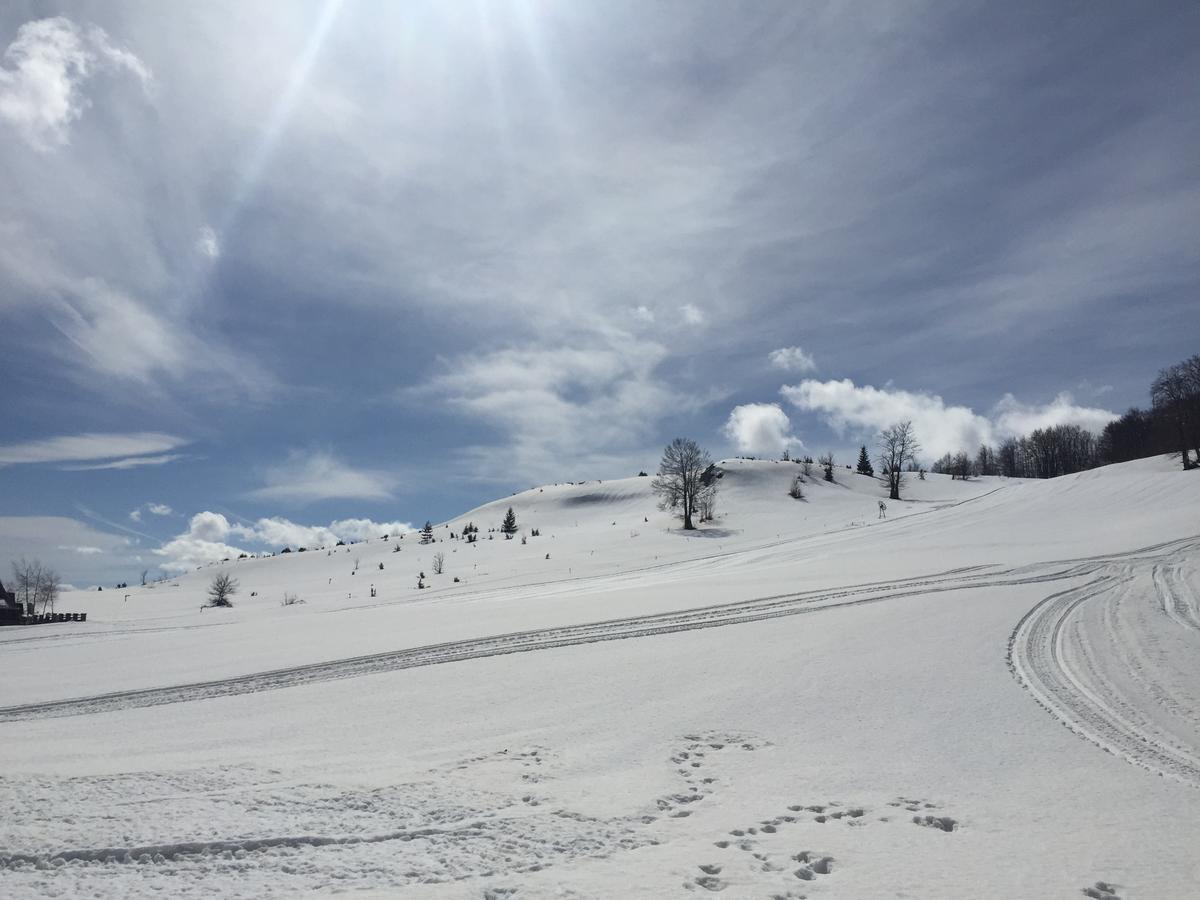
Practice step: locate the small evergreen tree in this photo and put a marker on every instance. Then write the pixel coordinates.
(864, 463)
(826, 462)
(427, 533)
(509, 525)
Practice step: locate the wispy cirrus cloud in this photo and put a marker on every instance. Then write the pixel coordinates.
(130, 447)
(307, 477)
(129, 462)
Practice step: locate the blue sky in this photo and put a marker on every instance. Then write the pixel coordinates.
(271, 273)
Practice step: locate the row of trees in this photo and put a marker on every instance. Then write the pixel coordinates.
(1044, 453)
(36, 583)
(1171, 425)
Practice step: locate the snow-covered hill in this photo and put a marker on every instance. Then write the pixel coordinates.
(801, 698)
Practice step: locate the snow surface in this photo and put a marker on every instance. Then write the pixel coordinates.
(993, 692)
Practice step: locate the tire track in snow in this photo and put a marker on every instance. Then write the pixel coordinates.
(1058, 654)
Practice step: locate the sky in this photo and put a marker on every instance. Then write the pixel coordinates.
(276, 274)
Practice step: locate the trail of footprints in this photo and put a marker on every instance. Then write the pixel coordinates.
(692, 761)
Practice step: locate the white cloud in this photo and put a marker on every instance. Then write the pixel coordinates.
(208, 244)
(585, 406)
(760, 429)
(693, 315)
(157, 509)
(91, 445)
(792, 359)
(209, 526)
(308, 477)
(185, 553)
(46, 67)
(941, 428)
(644, 314)
(75, 549)
(118, 335)
(1011, 417)
(208, 535)
(131, 462)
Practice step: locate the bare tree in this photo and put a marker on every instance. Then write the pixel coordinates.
(897, 446)
(1174, 399)
(678, 483)
(145, 572)
(35, 584)
(706, 500)
(439, 563)
(222, 588)
(47, 589)
(796, 492)
(26, 578)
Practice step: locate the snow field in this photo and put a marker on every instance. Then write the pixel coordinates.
(856, 709)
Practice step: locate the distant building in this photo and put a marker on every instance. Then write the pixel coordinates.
(10, 610)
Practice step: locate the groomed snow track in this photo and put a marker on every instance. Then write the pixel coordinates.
(753, 610)
(1115, 659)
(1112, 658)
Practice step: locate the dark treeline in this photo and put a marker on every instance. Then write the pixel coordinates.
(1170, 425)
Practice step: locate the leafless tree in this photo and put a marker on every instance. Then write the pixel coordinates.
(48, 588)
(1175, 397)
(897, 446)
(36, 584)
(706, 501)
(678, 482)
(439, 563)
(26, 578)
(145, 572)
(222, 588)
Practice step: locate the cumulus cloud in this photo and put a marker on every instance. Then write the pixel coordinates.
(693, 315)
(941, 428)
(92, 445)
(1012, 417)
(211, 537)
(760, 429)
(44, 71)
(792, 359)
(644, 314)
(308, 477)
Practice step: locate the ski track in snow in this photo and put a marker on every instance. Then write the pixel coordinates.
(1091, 655)
(1110, 659)
(740, 612)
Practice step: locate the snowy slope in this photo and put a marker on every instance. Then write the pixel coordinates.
(991, 693)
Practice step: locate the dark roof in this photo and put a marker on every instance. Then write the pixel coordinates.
(7, 597)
